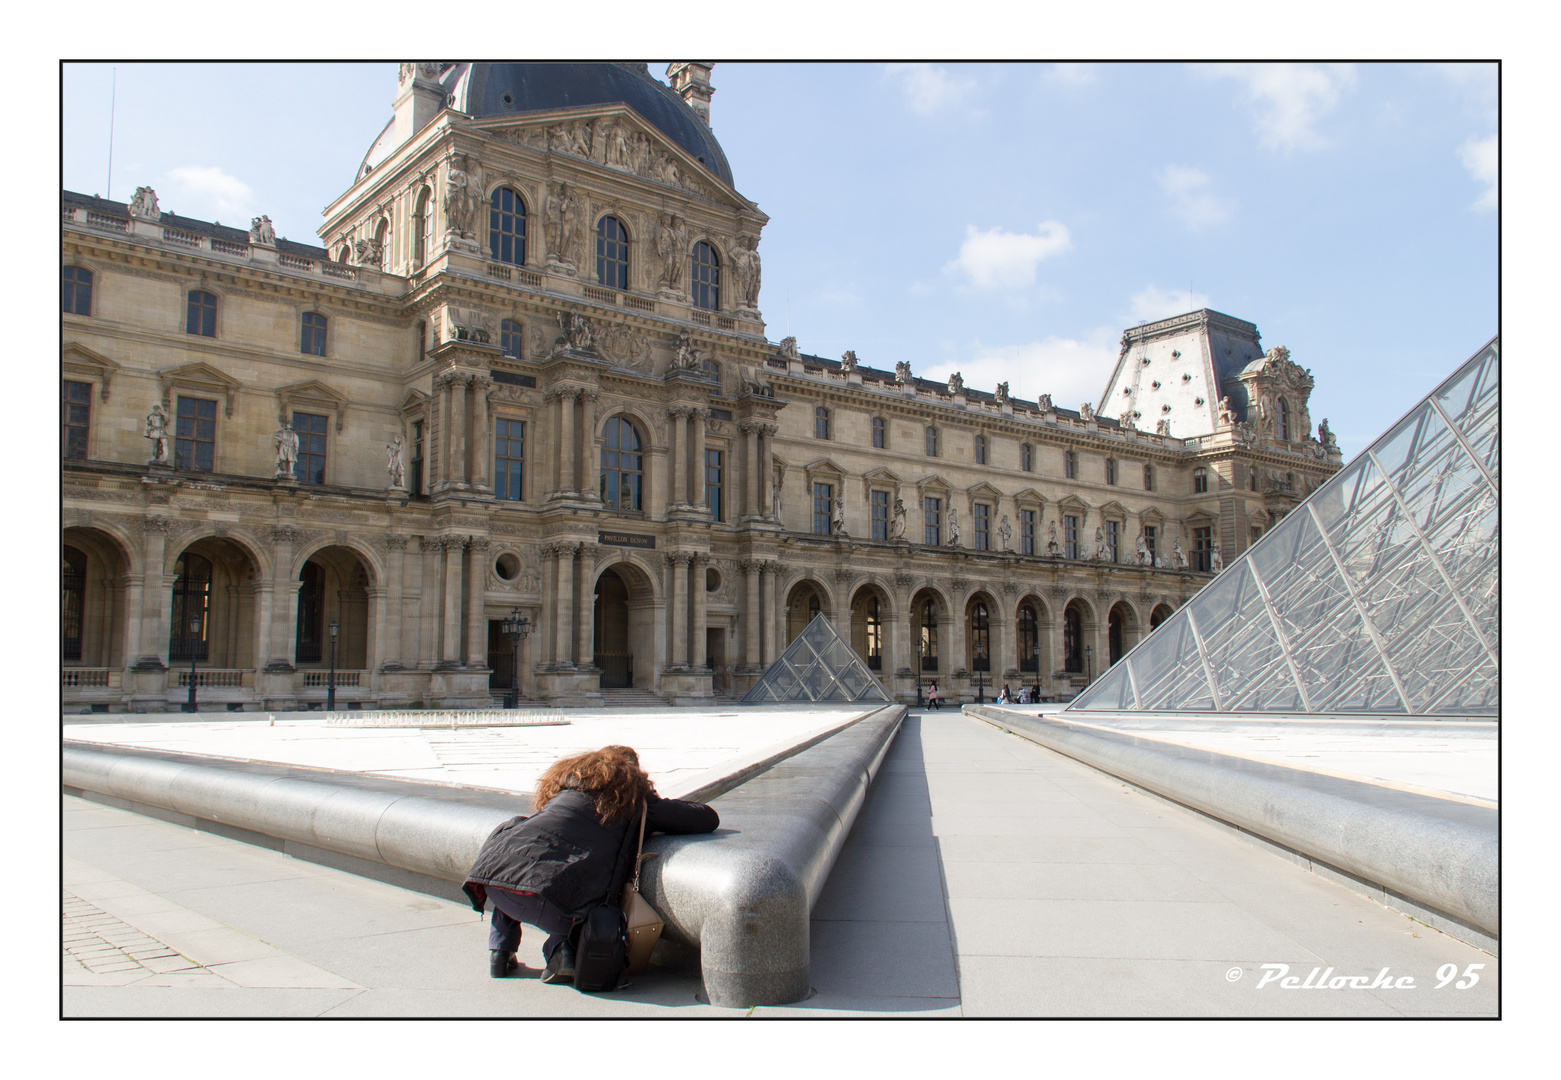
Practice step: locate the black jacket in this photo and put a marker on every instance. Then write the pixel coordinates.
(564, 853)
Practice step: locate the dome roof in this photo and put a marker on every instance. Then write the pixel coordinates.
(483, 90)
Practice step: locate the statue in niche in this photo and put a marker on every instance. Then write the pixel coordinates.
(1044, 403)
(286, 440)
(902, 374)
(558, 223)
(157, 431)
(1004, 530)
(897, 522)
(1178, 555)
(837, 517)
(953, 523)
(671, 239)
(848, 360)
(1325, 435)
(777, 479)
(1052, 547)
(1087, 411)
(395, 463)
(144, 204)
(261, 231)
(460, 198)
(745, 265)
(1002, 393)
(687, 358)
(1216, 560)
(956, 384)
(1100, 545)
(1141, 548)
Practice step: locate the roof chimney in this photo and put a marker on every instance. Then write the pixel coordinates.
(691, 78)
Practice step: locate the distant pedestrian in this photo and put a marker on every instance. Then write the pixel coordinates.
(1035, 692)
(932, 696)
(1005, 696)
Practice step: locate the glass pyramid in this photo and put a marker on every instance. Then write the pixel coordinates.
(819, 666)
(1377, 594)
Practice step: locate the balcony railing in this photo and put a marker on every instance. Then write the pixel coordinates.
(319, 680)
(89, 678)
(216, 679)
(606, 296)
(103, 221)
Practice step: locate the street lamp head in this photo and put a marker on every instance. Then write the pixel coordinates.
(195, 625)
(333, 628)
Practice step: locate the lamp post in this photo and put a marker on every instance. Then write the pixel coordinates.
(1089, 665)
(330, 682)
(517, 626)
(194, 640)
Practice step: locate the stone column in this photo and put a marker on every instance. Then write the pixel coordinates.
(771, 617)
(546, 632)
(751, 571)
(766, 470)
(750, 431)
(460, 414)
(588, 458)
(585, 608)
(697, 418)
(677, 455)
(1101, 636)
(282, 634)
(696, 588)
(390, 640)
(1054, 658)
(954, 633)
(481, 452)
(564, 619)
(1005, 645)
(900, 649)
(450, 647)
(156, 593)
(555, 402)
(677, 600)
(566, 438)
(476, 577)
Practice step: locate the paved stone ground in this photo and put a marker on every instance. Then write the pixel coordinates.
(986, 876)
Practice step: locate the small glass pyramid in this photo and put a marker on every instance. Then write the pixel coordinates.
(819, 666)
(1376, 594)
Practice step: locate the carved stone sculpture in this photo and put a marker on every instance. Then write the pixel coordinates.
(1127, 421)
(788, 349)
(1216, 560)
(1004, 530)
(1141, 548)
(746, 270)
(1087, 411)
(956, 383)
(1044, 403)
(848, 360)
(1178, 554)
(395, 464)
(368, 252)
(902, 374)
(1325, 435)
(953, 523)
(776, 482)
(1227, 412)
(1002, 393)
(1162, 427)
(1052, 547)
(286, 440)
(687, 357)
(1100, 545)
(837, 517)
(261, 231)
(897, 522)
(461, 196)
(559, 223)
(157, 431)
(577, 333)
(144, 204)
(671, 239)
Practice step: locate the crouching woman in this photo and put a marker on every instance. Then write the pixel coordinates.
(576, 850)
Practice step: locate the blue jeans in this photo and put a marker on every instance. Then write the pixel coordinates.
(510, 909)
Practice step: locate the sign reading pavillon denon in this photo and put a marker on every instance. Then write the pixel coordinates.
(628, 540)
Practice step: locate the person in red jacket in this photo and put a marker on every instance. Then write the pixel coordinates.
(573, 852)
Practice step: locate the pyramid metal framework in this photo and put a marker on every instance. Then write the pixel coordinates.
(819, 665)
(1378, 593)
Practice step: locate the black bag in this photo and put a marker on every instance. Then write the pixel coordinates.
(602, 952)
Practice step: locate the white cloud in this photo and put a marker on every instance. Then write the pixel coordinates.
(1192, 197)
(1479, 157)
(927, 87)
(1070, 370)
(997, 259)
(1152, 302)
(1072, 74)
(1289, 99)
(205, 191)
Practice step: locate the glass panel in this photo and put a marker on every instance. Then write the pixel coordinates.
(819, 665)
(1159, 662)
(1111, 691)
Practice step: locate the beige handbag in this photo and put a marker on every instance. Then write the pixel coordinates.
(645, 924)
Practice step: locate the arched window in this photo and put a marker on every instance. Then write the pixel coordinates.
(73, 601)
(507, 227)
(612, 254)
(420, 222)
(191, 604)
(200, 314)
(1029, 640)
(927, 644)
(980, 639)
(623, 465)
(382, 241)
(1284, 420)
(874, 634)
(821, 422)
(706, 277)
(1072, 640)
(77, 291)
(344, 254)
(980, 449)
(510, 337)
(310, 644)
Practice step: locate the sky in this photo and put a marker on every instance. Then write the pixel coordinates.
(1007, 221)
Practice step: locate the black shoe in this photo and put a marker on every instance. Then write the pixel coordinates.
(501, 964)
(561, 967)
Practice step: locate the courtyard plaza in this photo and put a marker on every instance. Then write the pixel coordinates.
(985, 876)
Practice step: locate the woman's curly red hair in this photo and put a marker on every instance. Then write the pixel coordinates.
(610, 777)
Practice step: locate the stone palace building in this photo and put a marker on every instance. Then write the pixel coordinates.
(526, 374)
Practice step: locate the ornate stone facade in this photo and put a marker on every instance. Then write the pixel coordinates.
(489, 420)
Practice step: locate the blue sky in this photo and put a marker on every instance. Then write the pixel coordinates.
(1004, 220)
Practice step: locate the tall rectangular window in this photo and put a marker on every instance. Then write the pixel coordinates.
(1254, 533)
(310, 468)
(1148, 477)
(1070, 537)
(982, 513)
(417, 457)
(932, 520)
(75, 418)
(1111, 470)
(1027, 532)
(821, 423)
(880, 436)
(1202, 549)
(823, 503)
(1113, 539)
(1200, 480)
(879, 503)
(195, 434)
(509, 459)
(932, 442)
(200, 314)
(510, 337)
(713, 483)
(1150, 536)
(1070, 464)
(311, 334)
(1026, 457)
(77, 291)
(980, 449)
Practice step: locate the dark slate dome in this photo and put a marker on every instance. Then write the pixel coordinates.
(492, 90)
